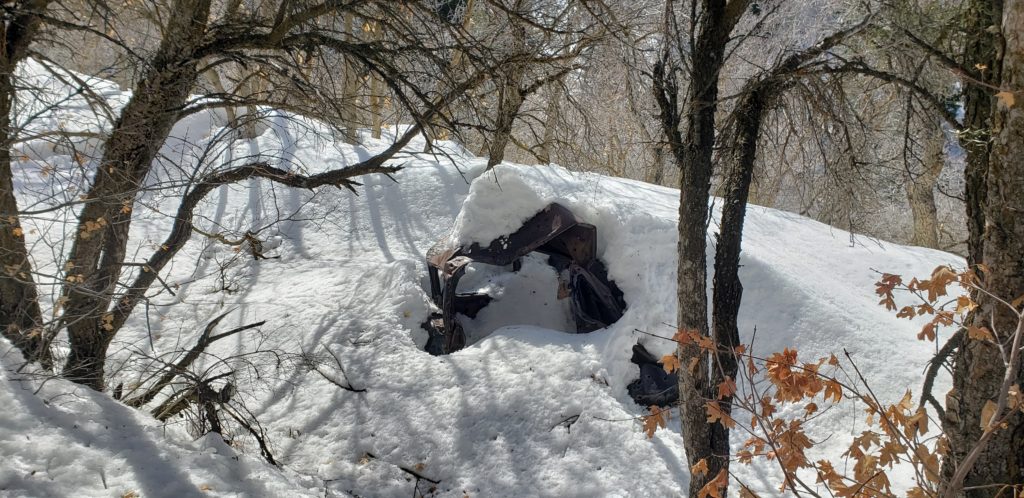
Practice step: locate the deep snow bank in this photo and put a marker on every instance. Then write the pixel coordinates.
(806, 285)
(523, 411)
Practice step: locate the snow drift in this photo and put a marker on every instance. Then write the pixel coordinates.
(524, 410)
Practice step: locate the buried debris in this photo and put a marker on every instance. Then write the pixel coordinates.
(655, 386)
(571, 247)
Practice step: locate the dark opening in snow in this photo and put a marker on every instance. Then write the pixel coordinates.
(565, 245)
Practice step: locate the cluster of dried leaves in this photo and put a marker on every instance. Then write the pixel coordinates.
(783, 395)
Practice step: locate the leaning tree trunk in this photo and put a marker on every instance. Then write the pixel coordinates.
(978, 369)
(99, 248)
(21, 320)
(728, 291)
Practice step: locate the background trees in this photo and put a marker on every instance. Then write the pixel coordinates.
(195, 56)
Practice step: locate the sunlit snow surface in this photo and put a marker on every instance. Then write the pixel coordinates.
(490, 420)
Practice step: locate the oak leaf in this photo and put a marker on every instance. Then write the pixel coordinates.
(834, 390)
(927, 332)
(964, 304)
(884, 288)
(1013, 398)
(988, 413)
(706, 343)
(715, 414)
(726, 388)
(670, 362)
(683, 336)
(745, 492)
(980, 333)
(1017, 302)
(1006, 98)
(930, 461)
(655, 419)
(700, 468)
(917, 492)
(714, 487)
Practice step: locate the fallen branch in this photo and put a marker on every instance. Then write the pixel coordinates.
(348, 383)
(180, 367)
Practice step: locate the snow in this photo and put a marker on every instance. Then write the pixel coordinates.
(527, 409)
(59, 439)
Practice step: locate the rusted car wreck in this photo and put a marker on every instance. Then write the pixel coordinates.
(571, 247)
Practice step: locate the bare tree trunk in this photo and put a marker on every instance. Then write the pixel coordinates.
(657, 169)
(20, 316)
(375, 98)
(218, 84)
(921, 191)
(692, 153)
(376, 107)
(728, 291)
(974, 361)
(98, 251)
(978, 371)
(980, 52)
(551, 115)
(351, 86)
(21, 320)
(251, 86)
(510, 99)
(698, 379)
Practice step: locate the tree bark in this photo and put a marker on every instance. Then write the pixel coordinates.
(376, 107)
(351, 86)
(921, 191)
(692, 153)
(979, 365)
(728, 291)
(510, 98)
(99, 249)
(980, 52)
(551, 118)
(21, 320)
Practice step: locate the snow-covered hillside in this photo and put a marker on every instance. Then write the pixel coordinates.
(524, 410)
